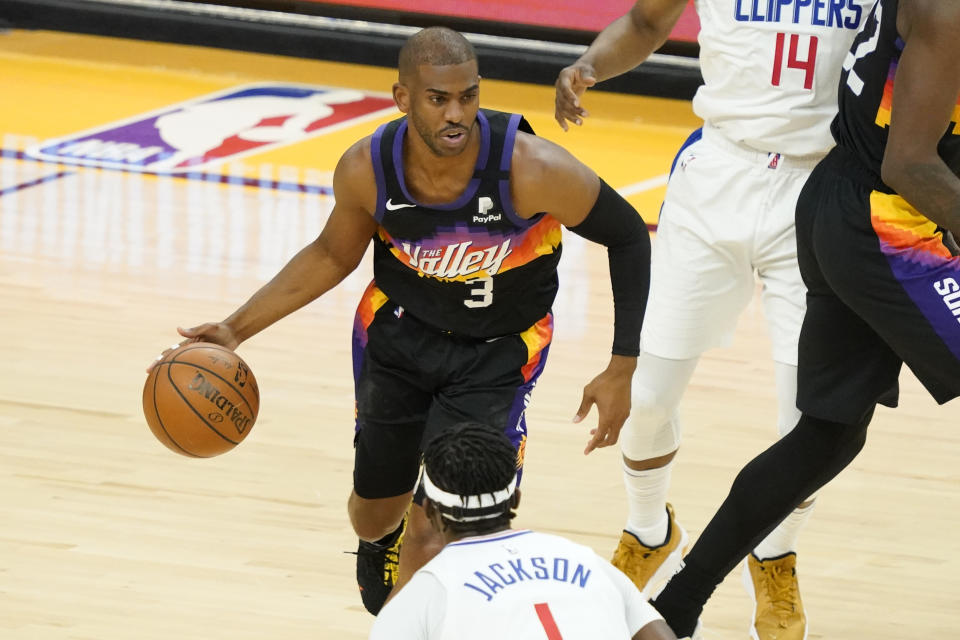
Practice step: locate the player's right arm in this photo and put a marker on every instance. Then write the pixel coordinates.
(925, 95)
(318, 267)
(621, 46)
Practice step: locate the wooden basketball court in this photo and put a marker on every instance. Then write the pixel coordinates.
(107, 535)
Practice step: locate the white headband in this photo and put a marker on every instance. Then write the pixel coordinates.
(466, 503)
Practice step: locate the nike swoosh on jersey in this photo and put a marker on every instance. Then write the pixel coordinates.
(399, 205)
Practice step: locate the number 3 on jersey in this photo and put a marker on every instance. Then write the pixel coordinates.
(481, 292)
(792, 61)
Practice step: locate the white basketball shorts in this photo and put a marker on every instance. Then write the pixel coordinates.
(726, 221)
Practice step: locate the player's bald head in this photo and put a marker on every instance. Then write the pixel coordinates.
(435, 46)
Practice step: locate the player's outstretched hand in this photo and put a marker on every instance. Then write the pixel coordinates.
(217, 332)
(570, 85)
(610, 391)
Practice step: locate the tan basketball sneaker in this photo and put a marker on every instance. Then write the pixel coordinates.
(779, 613)
(650, 567)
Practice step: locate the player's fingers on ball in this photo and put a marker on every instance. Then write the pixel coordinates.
(160, 358)
(156, 361)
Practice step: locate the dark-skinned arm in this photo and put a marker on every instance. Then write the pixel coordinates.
(656, 630)
(924, 98)
(547, 178)
(621, 46)
(316, 268)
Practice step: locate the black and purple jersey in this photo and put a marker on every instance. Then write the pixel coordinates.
(866, 93)
(472, 266)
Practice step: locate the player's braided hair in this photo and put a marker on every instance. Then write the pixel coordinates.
(471, 459)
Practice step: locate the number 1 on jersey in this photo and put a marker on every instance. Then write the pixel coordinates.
(793, 62)
(546, 619)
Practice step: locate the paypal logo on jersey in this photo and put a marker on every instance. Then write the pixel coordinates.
(214, 128)
(841, 14)
(484, 204)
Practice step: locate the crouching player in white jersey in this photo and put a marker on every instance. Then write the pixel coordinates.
(771, 72)
(491, 581)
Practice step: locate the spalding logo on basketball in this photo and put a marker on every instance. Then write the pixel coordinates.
(201, 400)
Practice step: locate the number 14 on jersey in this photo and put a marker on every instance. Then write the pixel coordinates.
(792, 42)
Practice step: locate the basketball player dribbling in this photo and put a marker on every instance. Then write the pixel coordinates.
(491, 581)
(873, 230)
(464, 208)
(770, 72)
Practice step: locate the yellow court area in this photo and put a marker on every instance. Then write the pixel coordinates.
(107, 535)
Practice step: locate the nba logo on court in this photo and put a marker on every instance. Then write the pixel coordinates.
(215, 128)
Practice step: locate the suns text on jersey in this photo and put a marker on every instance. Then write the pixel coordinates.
(498, 576)
(949, 291)
(844, 14)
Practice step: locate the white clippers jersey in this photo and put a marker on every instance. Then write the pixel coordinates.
(772, 67)
(515, 585)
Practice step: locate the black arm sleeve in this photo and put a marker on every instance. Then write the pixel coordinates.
(613, 222)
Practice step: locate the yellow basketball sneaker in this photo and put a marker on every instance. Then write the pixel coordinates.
(650, 567)
(779, 613)
(377, 564)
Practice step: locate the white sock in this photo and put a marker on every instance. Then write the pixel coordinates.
(647, 503)
(783, 539)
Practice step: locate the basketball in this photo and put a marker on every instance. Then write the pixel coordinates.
(201, 400)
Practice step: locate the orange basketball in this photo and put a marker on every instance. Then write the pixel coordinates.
(201, 400)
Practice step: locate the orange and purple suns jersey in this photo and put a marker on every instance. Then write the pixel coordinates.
(866, 93)
(472, 266)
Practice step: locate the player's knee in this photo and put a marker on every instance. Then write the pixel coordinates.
(652, 429)
(649, 410)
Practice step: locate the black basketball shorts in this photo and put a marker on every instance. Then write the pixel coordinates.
(413, 380)
(883, 289)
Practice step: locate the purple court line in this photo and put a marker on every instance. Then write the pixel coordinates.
(33, 183)
(193, 175)
(205, 177)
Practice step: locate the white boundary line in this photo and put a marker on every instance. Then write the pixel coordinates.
(643, 185)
